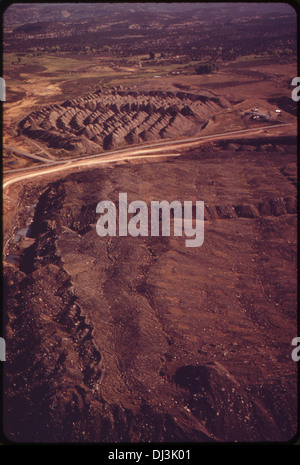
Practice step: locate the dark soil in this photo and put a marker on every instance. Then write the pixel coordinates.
(133, 339)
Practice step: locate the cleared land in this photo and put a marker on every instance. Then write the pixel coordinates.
(37, 82)
(141, 339)
(195, 345)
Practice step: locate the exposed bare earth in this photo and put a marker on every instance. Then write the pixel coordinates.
(195, 343)
(129, 339)
(108, 119)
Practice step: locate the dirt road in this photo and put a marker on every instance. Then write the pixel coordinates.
(124, 154)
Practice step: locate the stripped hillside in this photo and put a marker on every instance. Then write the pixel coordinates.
(114, 118)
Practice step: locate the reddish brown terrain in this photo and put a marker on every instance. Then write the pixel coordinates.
(142, 339)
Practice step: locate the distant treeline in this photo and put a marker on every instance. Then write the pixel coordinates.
(206, 68)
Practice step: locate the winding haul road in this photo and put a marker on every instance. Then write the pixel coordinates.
(167, 149)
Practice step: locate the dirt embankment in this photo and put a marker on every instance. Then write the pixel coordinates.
(113, 118)
(143, 339)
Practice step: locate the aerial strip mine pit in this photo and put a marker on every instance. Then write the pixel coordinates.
(108, 119)
(127, 338)
(150, 226)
